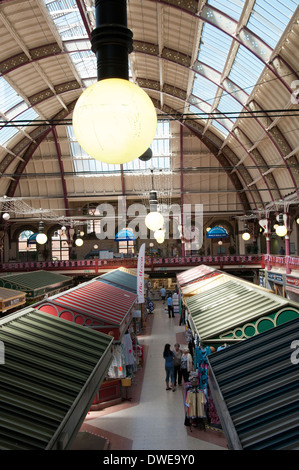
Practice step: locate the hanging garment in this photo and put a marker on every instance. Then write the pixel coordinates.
(128, 349)
(117, 369)
(195, 403)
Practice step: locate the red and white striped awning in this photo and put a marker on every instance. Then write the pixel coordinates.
(107, 303)
(194, 274)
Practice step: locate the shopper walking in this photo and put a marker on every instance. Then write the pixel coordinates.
(163, 293)
(170, 306)
(169, 366)
(177, 364)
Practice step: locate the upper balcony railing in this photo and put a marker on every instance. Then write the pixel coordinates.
(94, 266)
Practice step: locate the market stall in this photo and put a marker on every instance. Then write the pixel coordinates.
(121, 278)
(50, 372)
(36, 284)
(255, 388)
(10, 299)
(229, 310)
(108, 309)
(195, 274)
(94, 304)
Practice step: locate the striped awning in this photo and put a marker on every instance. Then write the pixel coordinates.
(50, 371)
(120, 278)
(194, 274)
(221, 308)
(35, 283)
(255, 385)
(107, 303)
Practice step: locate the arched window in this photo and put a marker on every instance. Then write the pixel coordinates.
(59, 246)
(26, 247)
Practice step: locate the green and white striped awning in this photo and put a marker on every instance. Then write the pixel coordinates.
(50, 371)
(229, 303)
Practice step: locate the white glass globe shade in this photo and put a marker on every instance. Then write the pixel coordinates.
(159, 236)
(79, 242)
(95, 247)
(297, 220)
(41, 238)
(246, 236)
(220, 242)
(6, 216)
(154, 221)
(281, 231)
(114, 121)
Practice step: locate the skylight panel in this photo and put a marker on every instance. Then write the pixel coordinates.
(8, 96)
(204, 89)
(228, 104)
(232, 8)
(9, 131)
(214, 47)
(220, 127)
(269, 19)
(246, 69)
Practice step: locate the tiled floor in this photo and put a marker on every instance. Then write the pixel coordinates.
(154, 418)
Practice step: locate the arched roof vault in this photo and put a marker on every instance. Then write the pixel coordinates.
(250, 154)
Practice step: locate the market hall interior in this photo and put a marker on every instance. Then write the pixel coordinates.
(152, 418)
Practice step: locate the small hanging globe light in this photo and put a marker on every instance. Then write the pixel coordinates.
(6, 216)
(78, 242)
(281, 229)
(41, 237)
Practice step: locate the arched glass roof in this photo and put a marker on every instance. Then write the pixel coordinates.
(231, 80)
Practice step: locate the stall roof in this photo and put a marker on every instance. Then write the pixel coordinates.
(35, 283)
(255, 385)
(10, 298)
(193, 274)
(203, 284)
(51, 371)
(120, 278)
(229, 303)
(107, 303)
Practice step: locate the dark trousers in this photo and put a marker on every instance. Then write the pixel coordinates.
(177, 375)
(170, 310)
(185, 374)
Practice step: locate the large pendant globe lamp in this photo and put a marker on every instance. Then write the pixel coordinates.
(154, 219)
(114, 120)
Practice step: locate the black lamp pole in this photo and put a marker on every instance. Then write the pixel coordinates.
(111, 40)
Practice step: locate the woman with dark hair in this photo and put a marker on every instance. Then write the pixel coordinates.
(169, 366)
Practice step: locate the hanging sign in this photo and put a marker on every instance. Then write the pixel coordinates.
(140, 274)
(217, 232)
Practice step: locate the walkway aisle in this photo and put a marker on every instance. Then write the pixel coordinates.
(156, 422)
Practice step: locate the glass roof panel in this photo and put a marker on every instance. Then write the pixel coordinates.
(220, 127)
(204, 88)
(246, 69)
(269, 19)
(9, 131)
(228, 104)
(8, 96)
(214, 47)
(232, 8)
